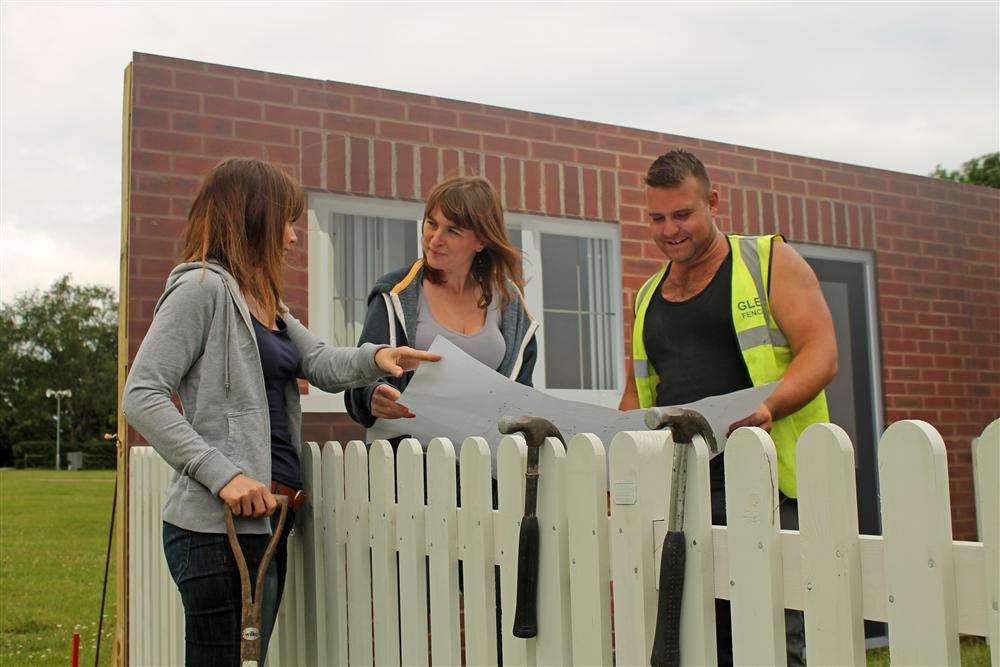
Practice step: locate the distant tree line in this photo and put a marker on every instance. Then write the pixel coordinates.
(982, 170)
(62, 338)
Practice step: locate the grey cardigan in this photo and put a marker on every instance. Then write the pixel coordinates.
(201, 345)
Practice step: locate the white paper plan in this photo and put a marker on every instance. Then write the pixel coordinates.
(459, 397)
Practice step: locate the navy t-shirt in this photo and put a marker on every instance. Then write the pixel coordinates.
(279, 360)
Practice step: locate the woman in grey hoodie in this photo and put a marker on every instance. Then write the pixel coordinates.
(224, 342)
(467, 287)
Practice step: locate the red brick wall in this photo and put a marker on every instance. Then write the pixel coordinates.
(935, 242)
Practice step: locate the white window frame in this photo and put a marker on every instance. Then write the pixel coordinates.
(321, 274)
(866, 259)
(531, 227)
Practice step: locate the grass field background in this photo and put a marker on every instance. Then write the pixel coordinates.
(53, 536)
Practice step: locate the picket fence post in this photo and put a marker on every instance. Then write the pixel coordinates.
(511, 465)
(986, 467)
(359, 580)
(313, 555)
(638, 467)
(754, 536)
(554, 641)
(412, 545)
(589, 551)
(334, 579)
(916, 529)
(442, 545)
(830, 557)
(476, 548)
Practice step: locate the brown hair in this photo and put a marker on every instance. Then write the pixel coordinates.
(472, 203)
(238, 220)
(672, 168)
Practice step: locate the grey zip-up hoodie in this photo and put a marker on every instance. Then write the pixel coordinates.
(201, 345)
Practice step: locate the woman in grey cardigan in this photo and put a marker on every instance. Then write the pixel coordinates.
(224, 342)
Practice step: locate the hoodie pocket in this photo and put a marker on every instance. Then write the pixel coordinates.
(247, 430)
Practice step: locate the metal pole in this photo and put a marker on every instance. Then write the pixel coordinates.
(58, 424)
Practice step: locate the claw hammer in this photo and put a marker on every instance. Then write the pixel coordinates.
(535, 430)
(684, 424)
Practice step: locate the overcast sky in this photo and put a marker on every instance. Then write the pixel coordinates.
(896, 86)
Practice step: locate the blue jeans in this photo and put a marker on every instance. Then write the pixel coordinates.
(204, 569)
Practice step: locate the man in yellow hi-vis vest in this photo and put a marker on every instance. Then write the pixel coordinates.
(728, 312)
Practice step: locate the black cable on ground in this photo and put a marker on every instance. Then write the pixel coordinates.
(107, 563)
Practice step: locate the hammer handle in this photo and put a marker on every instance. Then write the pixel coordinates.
(526, 612)
(666, 640)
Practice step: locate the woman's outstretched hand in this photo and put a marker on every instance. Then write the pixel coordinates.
(397, 360)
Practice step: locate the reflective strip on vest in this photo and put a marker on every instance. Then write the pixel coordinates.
(761, 336)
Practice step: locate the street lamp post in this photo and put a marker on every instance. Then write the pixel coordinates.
(59, 394)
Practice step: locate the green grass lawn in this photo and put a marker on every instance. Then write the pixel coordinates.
(975, 653)
(53, 537)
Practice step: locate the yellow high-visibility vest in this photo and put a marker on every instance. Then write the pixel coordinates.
(765, 351)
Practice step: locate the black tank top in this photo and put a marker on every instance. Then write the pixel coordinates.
(692, 346)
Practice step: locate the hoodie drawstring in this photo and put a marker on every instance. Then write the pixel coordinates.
(229, 308)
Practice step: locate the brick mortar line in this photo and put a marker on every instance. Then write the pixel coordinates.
(393, 167)
(503, 179)
(524, 187)
(418, 190)
(561, 169)
(347, 163)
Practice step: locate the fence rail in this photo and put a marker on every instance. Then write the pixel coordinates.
(373, 565)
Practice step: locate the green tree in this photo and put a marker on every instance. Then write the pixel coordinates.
(63, 338)
(982, 170)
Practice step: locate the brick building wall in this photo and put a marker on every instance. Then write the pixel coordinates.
(935, 243)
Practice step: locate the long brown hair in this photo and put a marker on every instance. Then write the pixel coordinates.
(238, 220)
(472, 203)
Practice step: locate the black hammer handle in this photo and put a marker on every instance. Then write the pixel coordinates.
(667, 639)
(526, 613)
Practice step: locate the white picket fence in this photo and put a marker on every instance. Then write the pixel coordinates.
(349, 601)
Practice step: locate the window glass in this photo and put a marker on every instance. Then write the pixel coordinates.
(579, 313)
(364, 249)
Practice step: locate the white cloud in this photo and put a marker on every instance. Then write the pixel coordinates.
(895, 86)
(34, 258)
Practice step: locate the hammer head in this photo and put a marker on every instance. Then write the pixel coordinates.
(683, 423)
(535, 429)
